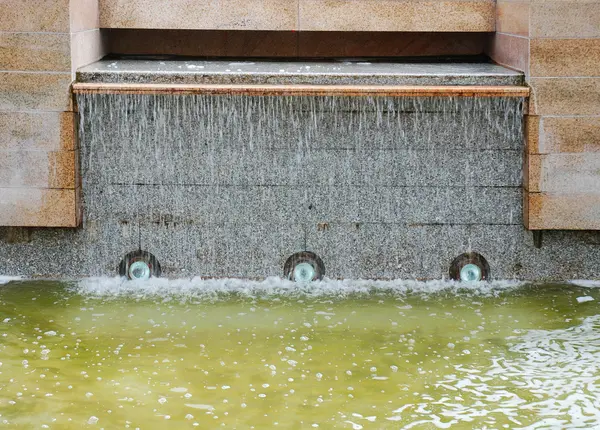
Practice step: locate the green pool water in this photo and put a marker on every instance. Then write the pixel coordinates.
(208, 354)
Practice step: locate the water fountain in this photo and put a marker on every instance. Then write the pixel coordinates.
(306, 172)
(227, 168)
(258, 243)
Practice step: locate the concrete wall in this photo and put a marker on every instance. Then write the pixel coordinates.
(41, 45)
(301, 15)
(557, 44)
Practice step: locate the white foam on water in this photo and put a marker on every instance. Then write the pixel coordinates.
(7, 279)
(274, 286)
(200, 406)
(585, 283)
(552, 377)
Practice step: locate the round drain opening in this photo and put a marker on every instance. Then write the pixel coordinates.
(139, 270)
(139, 265)
(470, 267)
(304, 267)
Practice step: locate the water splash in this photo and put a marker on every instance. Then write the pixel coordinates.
(551, 381)
(7, 279)
(198, 288)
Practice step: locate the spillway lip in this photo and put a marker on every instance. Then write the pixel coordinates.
(348, 73)
(303, 90)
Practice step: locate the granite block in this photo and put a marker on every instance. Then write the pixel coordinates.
(406, 205)
(228, 167)
(37, 131)
(217, 204)
(565, 96)
(565, 19)
(35, 52)
(564, 255)
(389, 15)
(392, 251)
(94, 250)
(565, 57)
(38, 207)
(192, 204)
(87, 47)
(564, 135)
(190, 14)
(298, 123)
(35, 16)
(343, 72)
(512, 17)
(375, 251)
(21, 91)
(37, 169)
(511, 51)
(387, 251)
(224, 249)
(548, 211)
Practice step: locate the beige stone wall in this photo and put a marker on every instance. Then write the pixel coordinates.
(302, 15)
(557, 44)
(41, 44)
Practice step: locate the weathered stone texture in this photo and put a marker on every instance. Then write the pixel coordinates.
(304, 15)
(42, 43)
(560, 52)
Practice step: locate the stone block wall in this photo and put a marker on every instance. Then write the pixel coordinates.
(42, 43)
(301, 15)
(557, 44)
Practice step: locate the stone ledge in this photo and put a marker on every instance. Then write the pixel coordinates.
(173, 72)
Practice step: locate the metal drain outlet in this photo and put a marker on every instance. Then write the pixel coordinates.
(470, 267)
(139, 265)
(304, 267)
